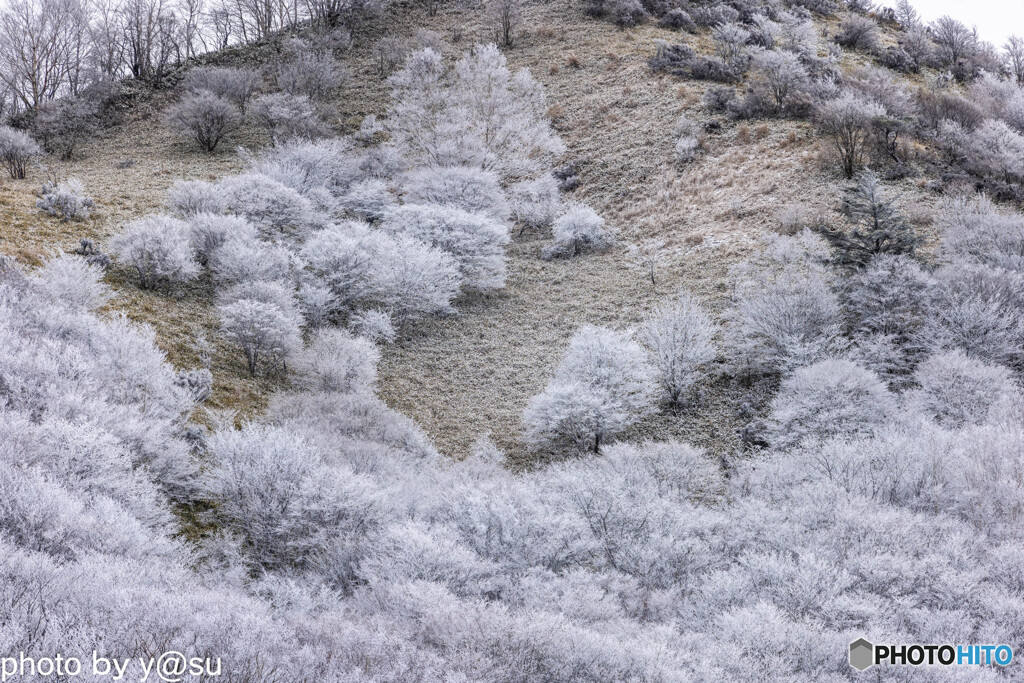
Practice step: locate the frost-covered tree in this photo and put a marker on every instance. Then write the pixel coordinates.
(831, 397)
(337, 361)
(478, 115)
(237, 86)
(476, 241)
(580, 230)
(846, 121)
(878, 225)
(159, 248)
(506, 16)
(210, 231)
(17, 148)
(602, 385)
(287, 116)
(784, 315)
(310, 73)
(955, 390)
(679, 338)
(266, 335)
(204, 117)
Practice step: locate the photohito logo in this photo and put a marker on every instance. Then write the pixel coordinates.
(864, 655)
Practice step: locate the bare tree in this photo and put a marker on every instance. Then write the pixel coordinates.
(1015, 57)
(506, 15)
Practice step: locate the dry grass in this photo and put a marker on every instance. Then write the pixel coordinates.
(472, 374)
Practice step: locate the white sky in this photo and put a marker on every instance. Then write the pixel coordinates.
(995, 19)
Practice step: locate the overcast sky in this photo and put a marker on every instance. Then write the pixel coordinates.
(995, 19)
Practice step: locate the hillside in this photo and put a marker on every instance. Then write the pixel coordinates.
(582, 341)
(616, 118)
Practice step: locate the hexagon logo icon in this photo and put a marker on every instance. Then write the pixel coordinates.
(862, 654)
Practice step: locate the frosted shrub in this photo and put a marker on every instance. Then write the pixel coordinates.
(17, 149)
(859, 33)
(469, 189)
(679, 339)
(955, 390)
(687, 142)
(187, 198)
(204, 117)
(289, 509)
(159, 248)
(368, 199)
(66, 200)
(579, 231)
(316, 75)
(995, 149)
(319, 170)
(374, 325)
(337, 361)
(887, 304)
(266, 335)
(287, 116)
(832, 397)
(535, 203)
(846, 121)
(243, 258)
(266, 203)
(782, 318)
(476, 241)
(237, 86)
(210, 231)
(62, 125)
(602, 386)
(364, 267)
(974, 229)
(783, 76)
(979, 310)
(72, 282)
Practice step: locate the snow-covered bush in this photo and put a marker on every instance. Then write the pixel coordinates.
(373, 324)
(580, 230)
(17, 149)
(337, 361)
(955, 390)
(363, 267)
(187, 198)
(535, 203)
(71, 281)
(266, 203)
(320, 170)
(831, 397)
(368, 199)
(237, 86)
(287, 507)
(476, 241)
(66, 200)
(204, 117)
(210, 231)
(462, 187)
(679, 337)
(602, 385)
(973, 229)
(266, 335)
(979, 310)
(159, 248)
(243, 258)
(287, 116)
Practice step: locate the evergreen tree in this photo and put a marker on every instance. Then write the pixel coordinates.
(879, 227)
